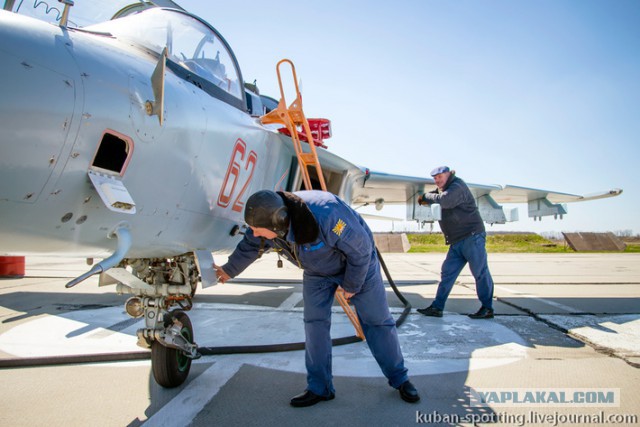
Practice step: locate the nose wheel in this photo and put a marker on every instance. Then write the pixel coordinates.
(170, 365)
(162, 291)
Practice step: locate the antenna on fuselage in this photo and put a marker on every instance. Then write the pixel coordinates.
(65, 13)
(157, 83)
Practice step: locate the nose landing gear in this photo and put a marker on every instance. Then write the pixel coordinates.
(162, 293)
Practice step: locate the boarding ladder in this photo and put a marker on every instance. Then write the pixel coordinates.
(298, 127)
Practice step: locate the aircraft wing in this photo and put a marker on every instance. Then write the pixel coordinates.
(401, 189)
(515, 194)
(382, 188)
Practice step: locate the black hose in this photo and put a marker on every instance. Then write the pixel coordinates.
(272, 348)
(407, 304)
(27, 362)
(268, 348)
(206, 351)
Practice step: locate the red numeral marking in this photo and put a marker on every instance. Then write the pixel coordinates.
(251, 162)
(227, 193)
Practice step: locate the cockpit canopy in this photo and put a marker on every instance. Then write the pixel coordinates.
(191, 43)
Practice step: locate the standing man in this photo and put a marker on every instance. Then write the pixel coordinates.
(321, 234)
(464, 232)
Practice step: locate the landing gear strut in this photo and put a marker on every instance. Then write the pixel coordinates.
(162, 291)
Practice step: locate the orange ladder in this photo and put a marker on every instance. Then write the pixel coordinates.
(294, 119)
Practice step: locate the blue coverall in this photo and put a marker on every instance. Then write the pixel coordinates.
(344, 254)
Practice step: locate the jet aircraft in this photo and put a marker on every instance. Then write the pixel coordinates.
(136, 141)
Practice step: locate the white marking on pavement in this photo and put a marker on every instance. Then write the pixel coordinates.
(620, 333)
(183, 408)
(77, 332)
(543, 300)
(291, 302)
(454, 343)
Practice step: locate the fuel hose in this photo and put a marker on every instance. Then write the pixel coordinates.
(272, 348)
(205, 351)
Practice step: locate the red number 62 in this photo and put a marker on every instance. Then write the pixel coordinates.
(234, 171)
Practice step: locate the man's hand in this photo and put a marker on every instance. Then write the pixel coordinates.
(221, 274)
(347, 295)
(422, 201)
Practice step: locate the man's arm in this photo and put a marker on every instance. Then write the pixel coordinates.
(448, 199)
(247, 251)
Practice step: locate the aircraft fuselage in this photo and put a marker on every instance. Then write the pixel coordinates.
(74, 102)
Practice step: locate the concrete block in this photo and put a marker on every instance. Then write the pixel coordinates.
(594, 242)
(392, 242)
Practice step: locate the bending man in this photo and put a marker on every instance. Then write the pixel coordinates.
(321, 234)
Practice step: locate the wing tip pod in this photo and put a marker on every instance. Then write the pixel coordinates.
(602, 195)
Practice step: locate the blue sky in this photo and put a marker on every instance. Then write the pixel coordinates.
(542, 94)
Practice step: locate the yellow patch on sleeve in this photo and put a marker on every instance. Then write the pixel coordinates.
(339, 227)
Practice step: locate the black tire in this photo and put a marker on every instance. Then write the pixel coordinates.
(170, 366)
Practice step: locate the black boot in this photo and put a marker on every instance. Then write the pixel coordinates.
(408, 392)
(483, 313)
(430, 311)
(309, 398)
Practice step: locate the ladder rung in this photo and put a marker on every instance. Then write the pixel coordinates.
(308, 158)
(295, 116)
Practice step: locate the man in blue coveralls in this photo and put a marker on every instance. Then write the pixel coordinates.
(321, 234)
(464, 232)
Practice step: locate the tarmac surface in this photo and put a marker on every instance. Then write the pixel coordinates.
(563, 349)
